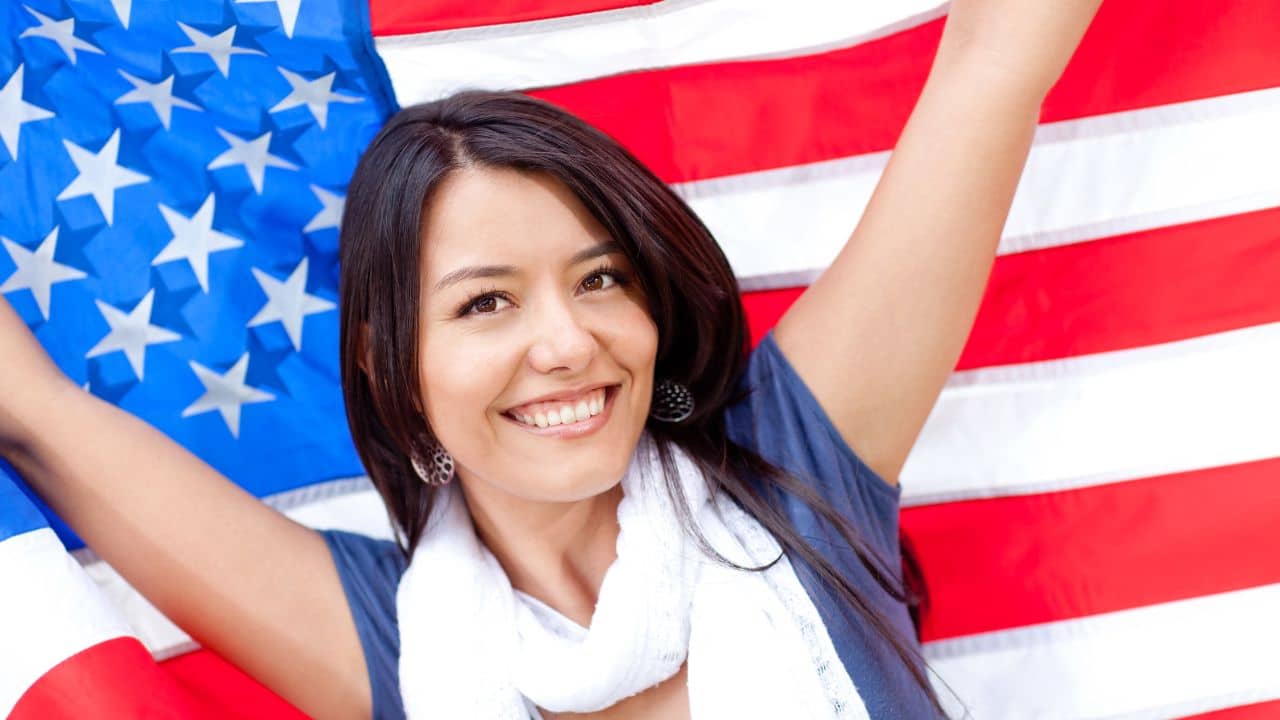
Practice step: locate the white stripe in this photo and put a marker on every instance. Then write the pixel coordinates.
(49, 611)
(431, 65)
(1080, 421)
(1158, 661)
(1087, 178)
(349, 504)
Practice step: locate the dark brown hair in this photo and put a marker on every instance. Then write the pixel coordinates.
(691, 291)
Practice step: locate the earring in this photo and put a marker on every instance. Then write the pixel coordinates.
(672, 402)
(440, 470)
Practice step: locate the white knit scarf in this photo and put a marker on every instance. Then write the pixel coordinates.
(472, 647)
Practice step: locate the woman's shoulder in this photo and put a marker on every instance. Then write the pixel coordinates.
(369, 568)
(370, 571)
(779, 418)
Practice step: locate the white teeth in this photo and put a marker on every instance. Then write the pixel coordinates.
(592, 404)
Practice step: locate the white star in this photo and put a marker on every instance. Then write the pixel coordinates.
(38, 271)
(14, 111)
(252, 154)
(131, 332)
(100, 176)
(193, 239)
(288, 302)
(330, 216)
(288, 12)
(160, 95)
(123, 8)
(312, 93)
(225, 393)
(217, 47)
(62, 32)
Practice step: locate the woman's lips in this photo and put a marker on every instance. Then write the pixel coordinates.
(574, 429)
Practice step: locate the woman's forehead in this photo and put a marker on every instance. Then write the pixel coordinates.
(487, 215)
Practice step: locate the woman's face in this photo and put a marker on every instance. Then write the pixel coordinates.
(529, 310)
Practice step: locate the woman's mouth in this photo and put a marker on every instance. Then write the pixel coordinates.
(581, 416)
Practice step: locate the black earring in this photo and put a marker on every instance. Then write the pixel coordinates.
(672, 402)
(439, 470)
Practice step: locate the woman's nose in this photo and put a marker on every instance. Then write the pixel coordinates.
(561, 341)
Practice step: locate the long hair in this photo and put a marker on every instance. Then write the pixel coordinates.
(691, 291)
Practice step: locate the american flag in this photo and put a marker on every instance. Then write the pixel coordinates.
(1094, 498)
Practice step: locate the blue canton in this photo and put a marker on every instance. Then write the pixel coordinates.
(173, 178)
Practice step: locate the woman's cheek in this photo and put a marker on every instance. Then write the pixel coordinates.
(627, 315)
(636, 331)
(453, 365)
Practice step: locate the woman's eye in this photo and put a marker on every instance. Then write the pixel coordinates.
(485, 305)
(597, 281)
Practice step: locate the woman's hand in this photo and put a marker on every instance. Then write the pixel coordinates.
(1023, 42)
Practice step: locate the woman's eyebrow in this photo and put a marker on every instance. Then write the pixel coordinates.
(476, 271)
(595, 251)
(486, 271)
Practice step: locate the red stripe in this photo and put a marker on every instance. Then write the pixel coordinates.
(1129, 291)
(1118, 293)
(1256, 711)
(1139, 54)
(113, 680)
(118, 679)
(400, 17)
(225, 690)
(1008, 562)
(705, 121)
(765, 307)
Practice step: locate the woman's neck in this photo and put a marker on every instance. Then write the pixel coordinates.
(558, 552)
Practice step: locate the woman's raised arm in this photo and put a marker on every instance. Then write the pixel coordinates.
(876, 336)
(241, 578)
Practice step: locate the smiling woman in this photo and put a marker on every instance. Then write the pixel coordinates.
(606, 504)
(557, 281)
(552, 325)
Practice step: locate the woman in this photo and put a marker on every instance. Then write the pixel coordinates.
(695, 537)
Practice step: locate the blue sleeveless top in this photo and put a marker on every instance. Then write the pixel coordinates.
(782, 421)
